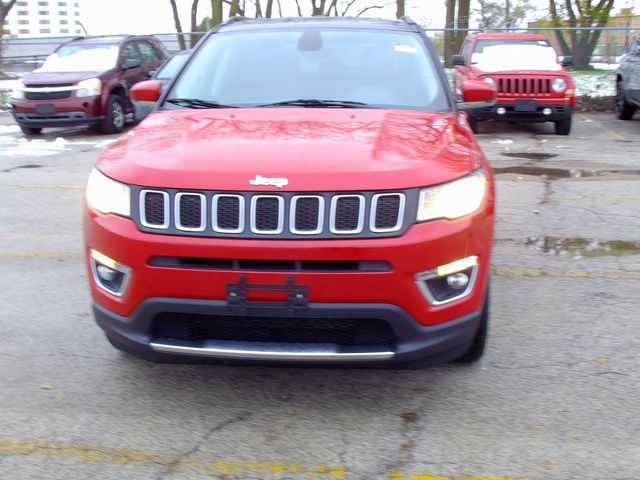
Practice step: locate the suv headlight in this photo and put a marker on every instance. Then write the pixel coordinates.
(89, 88)
(489, 80)
(17, 92)
(559, 85)
(108, 196)
(453, 199)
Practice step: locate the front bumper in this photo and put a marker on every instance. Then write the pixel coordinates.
(413, 342)
(69, 112)
(559, 111)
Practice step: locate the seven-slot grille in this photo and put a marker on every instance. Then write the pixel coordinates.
(523, 85)
(268, 215)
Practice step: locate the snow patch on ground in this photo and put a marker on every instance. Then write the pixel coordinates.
(11, 146)
(502, 142)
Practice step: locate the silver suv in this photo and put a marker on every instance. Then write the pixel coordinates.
(628, 81)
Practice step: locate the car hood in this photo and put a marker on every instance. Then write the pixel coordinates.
(560, 72)
(315, 149)
(48, 78)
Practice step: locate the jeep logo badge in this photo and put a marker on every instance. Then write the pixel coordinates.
(269, 181)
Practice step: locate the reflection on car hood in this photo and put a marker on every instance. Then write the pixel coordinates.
(315, 149)
(57, 78)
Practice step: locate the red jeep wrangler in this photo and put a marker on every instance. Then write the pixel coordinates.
(306, 191)
(531, 85)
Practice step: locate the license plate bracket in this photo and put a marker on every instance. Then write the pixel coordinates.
(45, 108)
(525, 106)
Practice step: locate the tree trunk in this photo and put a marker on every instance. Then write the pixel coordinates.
(258, 9)
(269, 9)
(176, 18)
(194, 22)
(399, 8)
(464, 7)
(4, 11)
(235, 8)
(216, 12)
(448, 34)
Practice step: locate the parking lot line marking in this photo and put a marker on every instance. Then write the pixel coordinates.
(190, 463)
(535, 272)
(615, 135)
(43, 186)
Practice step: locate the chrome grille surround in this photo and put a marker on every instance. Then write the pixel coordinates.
(143, 215)
(283, 215)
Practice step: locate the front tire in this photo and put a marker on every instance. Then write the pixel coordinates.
(563, 127)
(623, 109)
(31, 130)
(114, 119)
(479, 343)
(473, 123)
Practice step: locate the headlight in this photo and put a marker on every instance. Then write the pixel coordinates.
(559, 85)
(488, 80)
(89, 88)
(108, 196)
(17, 92)
(454, 199)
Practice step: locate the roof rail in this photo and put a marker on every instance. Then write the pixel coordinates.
(234, 19)
(411, 22)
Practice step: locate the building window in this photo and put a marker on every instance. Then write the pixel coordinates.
(43, 22)
(43, 4)
(22, 12)
(62, 13)
(23, 22)
(64, 22)
(77, 14)
(78, 22)
(45, 30)
(62, 4)
(23, 31)
(78, 31)
(76, 5)
(21, 4)
(43, 12)
(64, 30)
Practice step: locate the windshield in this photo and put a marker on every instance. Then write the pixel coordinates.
(378, 69)
(81, 58)
(497, 55)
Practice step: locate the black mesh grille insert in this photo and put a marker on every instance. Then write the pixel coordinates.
(347, 213)
(48, 95)
(267, 213)
(154, 208)
(342, 331)
(191, 211)
(228, 213)
(387, 210)
(306, 216)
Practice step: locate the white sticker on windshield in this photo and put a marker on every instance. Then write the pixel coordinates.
(406, 48)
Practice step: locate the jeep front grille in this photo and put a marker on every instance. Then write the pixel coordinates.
(522, 85)
(286, 215)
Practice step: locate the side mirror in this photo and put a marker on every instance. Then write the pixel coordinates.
(146, 94)
(131, 63)
(477, 94)
(567, 61)
(458, 60)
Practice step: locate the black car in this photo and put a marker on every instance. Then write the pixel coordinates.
(628, 81)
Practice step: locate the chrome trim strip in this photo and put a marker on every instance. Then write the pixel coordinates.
(214, 214)
(143, 216)
(252, 218)
(48, 89)
(292, 215)
(421, 284)
(332, 215)
(374, 208)
(227, 350)
(203, 212)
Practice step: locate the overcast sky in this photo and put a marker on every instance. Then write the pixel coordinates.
(102, 17)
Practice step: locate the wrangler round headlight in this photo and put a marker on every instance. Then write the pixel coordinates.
(108, 196)
(489, 80)
(559, 85)
(453, 199)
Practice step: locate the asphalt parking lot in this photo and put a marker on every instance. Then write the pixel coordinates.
(556, 396)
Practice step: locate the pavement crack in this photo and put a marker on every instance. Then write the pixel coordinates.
(175, 463)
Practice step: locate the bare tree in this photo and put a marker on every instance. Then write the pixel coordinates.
(457, 24)
(399, 8)
(176, 19)
(580, 13)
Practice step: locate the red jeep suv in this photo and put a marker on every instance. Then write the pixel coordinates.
(523, 67)
(86, 81)
(305, 191)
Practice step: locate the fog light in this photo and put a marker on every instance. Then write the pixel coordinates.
(458, 281)
(109, 274)
(546, 111)
(449, 282)
(501, 110)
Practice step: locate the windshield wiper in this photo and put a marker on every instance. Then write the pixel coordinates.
(312, 102)
(197, 103)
